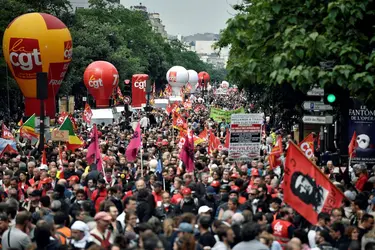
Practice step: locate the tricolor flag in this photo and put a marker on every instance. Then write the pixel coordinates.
(28, 129)
(74, 141)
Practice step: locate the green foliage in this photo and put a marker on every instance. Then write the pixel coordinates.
(303, 43)
(106, 32)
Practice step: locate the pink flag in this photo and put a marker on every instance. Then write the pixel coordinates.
(134, 145)
(187, 153)
(93, 151)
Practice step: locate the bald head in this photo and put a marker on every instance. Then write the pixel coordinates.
(140, 184)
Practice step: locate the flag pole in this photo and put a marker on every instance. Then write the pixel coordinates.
(141, 161)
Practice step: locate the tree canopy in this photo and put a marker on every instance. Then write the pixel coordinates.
(303, 43)
(109, 32)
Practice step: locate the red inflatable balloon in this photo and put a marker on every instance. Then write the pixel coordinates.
(101, 78)
(203, 76)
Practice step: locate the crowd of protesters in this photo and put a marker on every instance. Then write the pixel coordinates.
(68, 204)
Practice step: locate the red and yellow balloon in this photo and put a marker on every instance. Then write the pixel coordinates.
(38, 42)
(100, 79)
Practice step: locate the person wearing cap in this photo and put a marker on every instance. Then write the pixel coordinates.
(74, 179)
(188, 204)
(32, 203)
(81, 238)
(205, 211)
(210, 200)
(101, 234)
(157, 193)
(184, 228)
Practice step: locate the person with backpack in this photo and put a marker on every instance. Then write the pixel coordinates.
(188, 204)
(101, 235)
(63, 233)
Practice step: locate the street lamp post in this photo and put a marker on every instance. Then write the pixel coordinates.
(148, 92)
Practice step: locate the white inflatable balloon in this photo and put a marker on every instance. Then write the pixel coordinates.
(177, 77)
(193, 80)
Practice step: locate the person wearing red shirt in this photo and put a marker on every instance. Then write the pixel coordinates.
(157, 193)
(99, 195)
(360, 171)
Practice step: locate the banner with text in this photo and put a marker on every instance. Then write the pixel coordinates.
(245, 136)
(362, 121)
(219, 114)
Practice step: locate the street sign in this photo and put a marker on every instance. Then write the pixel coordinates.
(316, 106)
(316, 92)
(127, 99)
(311, 119)
(37, 124)
(60, 135)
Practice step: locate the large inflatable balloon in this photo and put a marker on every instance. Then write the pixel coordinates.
(101, 78)
(193, 79)
(139, 83)
(203, 77)
(177, 77)
(37, 42)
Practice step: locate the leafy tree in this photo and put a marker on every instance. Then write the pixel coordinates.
(303, 43)
(106, 31)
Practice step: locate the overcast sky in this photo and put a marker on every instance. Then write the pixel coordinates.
(187, 17)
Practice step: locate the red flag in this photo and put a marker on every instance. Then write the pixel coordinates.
(93, 151)
(306, 189)
(227, 140)
(6, 133)
(8, 149)
(44, 157)
(213, 143)
(204, 134)
(307, 146)
(87, 114)
(353, 144)
(274, 156)
(134, 145)
(62, 116)
(187, 154)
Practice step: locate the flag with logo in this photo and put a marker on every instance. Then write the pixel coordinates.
(178, 121)
(27, 130)
(6, 134)
(134, 145)
(307, 145)
(62, 117)
(307, 189)
(87, 113)
(74, 141)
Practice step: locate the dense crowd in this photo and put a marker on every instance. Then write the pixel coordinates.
(69, 204)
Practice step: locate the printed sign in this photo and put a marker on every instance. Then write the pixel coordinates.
(219, 114)
(245, 136)
(362, 121)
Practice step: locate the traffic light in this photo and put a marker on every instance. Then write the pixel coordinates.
(330, 94)
(127, 88)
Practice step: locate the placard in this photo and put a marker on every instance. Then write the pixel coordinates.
(245, 136)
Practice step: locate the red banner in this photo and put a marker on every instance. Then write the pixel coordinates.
(139, 90)
(87, 114)
(307, 145)
(306, 189)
